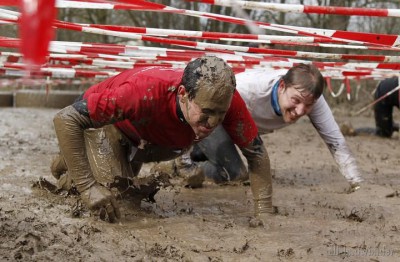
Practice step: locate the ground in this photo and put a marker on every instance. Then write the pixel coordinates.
(316, 220)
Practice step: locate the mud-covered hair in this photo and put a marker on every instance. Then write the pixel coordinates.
(210, 70)
(306, 78)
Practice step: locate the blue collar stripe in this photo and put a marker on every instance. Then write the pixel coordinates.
(274, 99)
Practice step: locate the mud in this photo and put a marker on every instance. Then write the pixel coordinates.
(316, 219)
(216, 76)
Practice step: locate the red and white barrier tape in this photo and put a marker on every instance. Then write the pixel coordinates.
(306, 9)
(347, 36)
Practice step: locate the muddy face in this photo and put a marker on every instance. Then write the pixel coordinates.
(214, 91)
(294, 103)
(206, 111)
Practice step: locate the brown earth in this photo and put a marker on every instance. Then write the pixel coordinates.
(316, 220)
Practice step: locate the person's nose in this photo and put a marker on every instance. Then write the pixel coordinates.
(301, 110)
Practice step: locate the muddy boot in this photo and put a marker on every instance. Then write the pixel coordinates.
(58, 166)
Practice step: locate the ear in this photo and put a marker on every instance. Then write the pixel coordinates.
(281, 86)
(182, 94)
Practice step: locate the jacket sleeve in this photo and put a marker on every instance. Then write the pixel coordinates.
(260, 176)
(69, 125)
(322, 118)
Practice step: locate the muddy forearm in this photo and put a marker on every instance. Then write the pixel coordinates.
(69, 126)
(347, 164)
(260, 176)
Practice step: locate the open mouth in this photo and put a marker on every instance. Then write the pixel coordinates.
(293, 115)
(204, 129)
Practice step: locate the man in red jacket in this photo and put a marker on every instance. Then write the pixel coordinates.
(159, 113)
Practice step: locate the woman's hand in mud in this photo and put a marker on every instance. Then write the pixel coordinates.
(353, 187)
(99, 198)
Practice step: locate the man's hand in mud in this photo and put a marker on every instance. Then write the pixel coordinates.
(97, 197)
(264, 220)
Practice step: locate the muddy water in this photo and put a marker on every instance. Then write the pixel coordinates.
(209, 200)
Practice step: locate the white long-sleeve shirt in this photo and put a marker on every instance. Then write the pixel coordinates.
(255, 86)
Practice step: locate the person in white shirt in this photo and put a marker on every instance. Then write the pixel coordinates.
(277, 98)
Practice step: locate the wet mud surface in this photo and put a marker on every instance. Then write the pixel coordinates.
(316, 219)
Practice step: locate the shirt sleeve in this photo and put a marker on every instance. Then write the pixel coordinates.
(238, 122)
(322, 118)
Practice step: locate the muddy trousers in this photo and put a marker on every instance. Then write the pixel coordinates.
(111, 155)
(224, 162)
